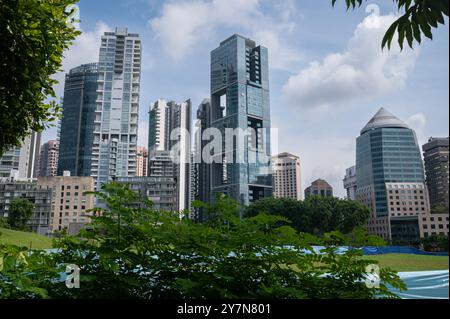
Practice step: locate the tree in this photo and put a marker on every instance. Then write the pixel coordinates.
(20, 212)
(155, 255)
(34, 35)
(315, 215)
(439, 208)
(418, 19)
(435, 243)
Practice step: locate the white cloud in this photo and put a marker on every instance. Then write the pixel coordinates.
(85, 49)
(184, 24)
(361, 71)
(418, 123)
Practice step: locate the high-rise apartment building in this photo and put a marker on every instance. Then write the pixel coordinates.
(390, 178)
(48, 162)
(286, 172)
(141, 161)
(77, 124)
(70, 205)
(350, 182)
(117, 106)
(22, 162)
(435, 154)
(319, 187)
(170, 147)
(240, 102)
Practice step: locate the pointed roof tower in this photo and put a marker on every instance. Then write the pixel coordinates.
(383, 118)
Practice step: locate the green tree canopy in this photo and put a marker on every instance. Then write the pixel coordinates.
(418, 18)
(134, 251)
(315, 215)
(20, 212)
(34, 35)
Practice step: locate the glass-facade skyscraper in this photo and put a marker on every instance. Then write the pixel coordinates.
(240, 100)
(116, 114)
(390, 176)
(77, 124)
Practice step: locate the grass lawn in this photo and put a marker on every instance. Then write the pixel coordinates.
(26, 239)
(405, 262)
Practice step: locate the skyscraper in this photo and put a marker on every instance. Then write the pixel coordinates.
(350, 182)
(240, 100)
(22, 162)
(200, 170)
(77, 124)
(319, 187)
(287, 176)
(116, 115)
(435, 154)
(390, 178)
(169, 145)
(48, 162)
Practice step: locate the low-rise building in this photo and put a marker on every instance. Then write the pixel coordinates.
(70, 204)
(160, 190)
(10, 189)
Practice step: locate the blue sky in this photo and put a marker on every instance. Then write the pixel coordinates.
(328, 75)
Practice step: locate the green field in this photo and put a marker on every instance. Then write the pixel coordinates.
(405, 262)
(19, 238)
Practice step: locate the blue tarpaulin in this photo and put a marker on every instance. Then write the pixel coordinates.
(398, 250)
(424, 285)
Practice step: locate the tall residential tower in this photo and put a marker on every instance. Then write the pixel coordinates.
(117, 106)
(435, 154)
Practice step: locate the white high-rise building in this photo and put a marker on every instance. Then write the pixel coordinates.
(350, 182)
(169, 136)
(286, 172)
(22, 162)
(116, 120)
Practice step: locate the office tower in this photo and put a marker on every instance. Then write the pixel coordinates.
(240, 101)
(286, 172)
(169, 145)
(48, 162)
(116, 115)
(141, 161)
(11, 189)
(22, 162)
(435, 154)
(319, 187)
(160, 190)
(76, 130)
(390, 178)
(70, 204)
(350, 182)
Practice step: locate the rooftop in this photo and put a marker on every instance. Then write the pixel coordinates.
(383, 118)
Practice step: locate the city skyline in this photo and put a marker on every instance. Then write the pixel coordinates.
(302, 131)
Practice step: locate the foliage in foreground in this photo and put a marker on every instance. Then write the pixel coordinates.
(133, 251)
(34, 35)
(418, 18)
